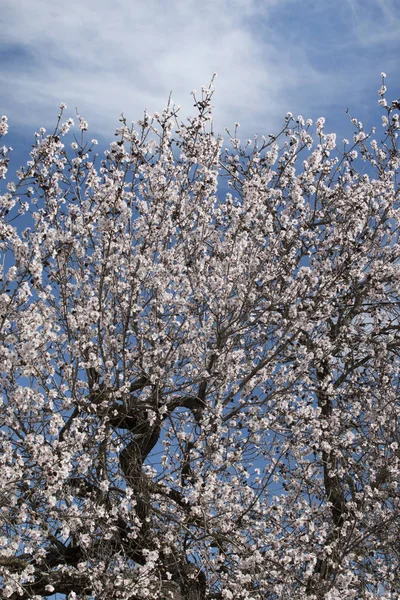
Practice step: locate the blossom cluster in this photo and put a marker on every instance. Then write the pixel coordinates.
(199, 363)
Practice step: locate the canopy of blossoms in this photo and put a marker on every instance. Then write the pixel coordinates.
(199, 363)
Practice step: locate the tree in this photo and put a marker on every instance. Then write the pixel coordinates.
(201, 390)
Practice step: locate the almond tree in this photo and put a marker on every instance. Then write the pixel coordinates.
(200, 390)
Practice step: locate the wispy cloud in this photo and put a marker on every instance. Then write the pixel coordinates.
(126, 55)
(375, 22)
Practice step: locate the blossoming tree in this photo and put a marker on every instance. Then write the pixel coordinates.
(200, 390)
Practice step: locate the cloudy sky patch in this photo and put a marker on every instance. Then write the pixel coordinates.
(108, 57)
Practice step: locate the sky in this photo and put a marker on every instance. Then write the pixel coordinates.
(310, 57)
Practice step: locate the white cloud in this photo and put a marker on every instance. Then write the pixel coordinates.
(374, 22)
(108, 57)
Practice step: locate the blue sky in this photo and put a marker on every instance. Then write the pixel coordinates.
(312, 57)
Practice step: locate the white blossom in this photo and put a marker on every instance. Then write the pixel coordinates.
(199, 390)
